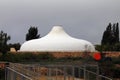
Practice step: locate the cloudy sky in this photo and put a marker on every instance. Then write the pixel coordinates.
(84, 19)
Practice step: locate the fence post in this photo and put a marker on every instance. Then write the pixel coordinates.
(73, 72)
(49, 73)
(65, 73)
(97, 72)
(78, 72)
(14, 76)
(84, 72)
(56, 73)
(6, 73)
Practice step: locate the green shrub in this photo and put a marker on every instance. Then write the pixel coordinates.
(2, 74)
(116, 60)
(26, 57)
(116, 72)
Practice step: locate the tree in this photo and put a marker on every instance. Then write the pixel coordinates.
(15, 45)
(111, 34)
(110, 39)
(117, 32)
(107, 35)
(32, 33)
(4, 38)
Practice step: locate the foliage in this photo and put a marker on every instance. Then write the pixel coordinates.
(116, 60)
(110, 39)
(111, 34)
(106, 65)
(116, 72)
(107, 35)
(98, 47)
(25, 57)
(115, 47)
(4, 38)
(2, 74)
(15, 45)
(32, 33)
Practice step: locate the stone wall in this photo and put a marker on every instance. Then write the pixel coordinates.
(61, 54)
(74, 54)
(112, 54)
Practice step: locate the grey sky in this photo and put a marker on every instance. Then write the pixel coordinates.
(84, 19)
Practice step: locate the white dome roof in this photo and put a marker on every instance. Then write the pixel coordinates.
(57, 40)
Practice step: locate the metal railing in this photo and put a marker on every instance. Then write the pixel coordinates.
(11, 74)
(17, 71)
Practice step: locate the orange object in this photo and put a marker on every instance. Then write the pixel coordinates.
(97, 56)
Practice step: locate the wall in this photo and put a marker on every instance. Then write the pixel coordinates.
(73, 54)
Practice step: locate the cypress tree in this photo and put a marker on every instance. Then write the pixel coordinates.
(107, 35)
(117, 32)
(111, 34)
(111, 37)
(114, 34)
(109, 27)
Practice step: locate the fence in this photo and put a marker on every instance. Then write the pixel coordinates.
(11, 74)
(53, 72)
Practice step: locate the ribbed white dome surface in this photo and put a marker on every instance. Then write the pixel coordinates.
(57, 40)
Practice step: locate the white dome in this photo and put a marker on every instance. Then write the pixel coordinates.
(57, 40)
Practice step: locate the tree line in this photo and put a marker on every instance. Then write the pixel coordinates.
(111, 34)
(4, 38)
(4, 46)
(110, 39)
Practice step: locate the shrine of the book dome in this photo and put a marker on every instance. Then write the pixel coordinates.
(57, 40)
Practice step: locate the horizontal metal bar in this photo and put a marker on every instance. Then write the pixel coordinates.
(19, 73)
(105, 77)
(98, 75)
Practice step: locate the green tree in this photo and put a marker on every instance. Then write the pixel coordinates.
(4, 38)
(15, 45)
(32, 33)
(111, 34)
(110, 39)
(107, 35)
(117, 32)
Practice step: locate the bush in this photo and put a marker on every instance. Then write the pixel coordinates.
(116, 72)
(116, 60)
(26, 57)
(2, 74)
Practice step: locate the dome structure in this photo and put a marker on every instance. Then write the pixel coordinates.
(57, 40)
